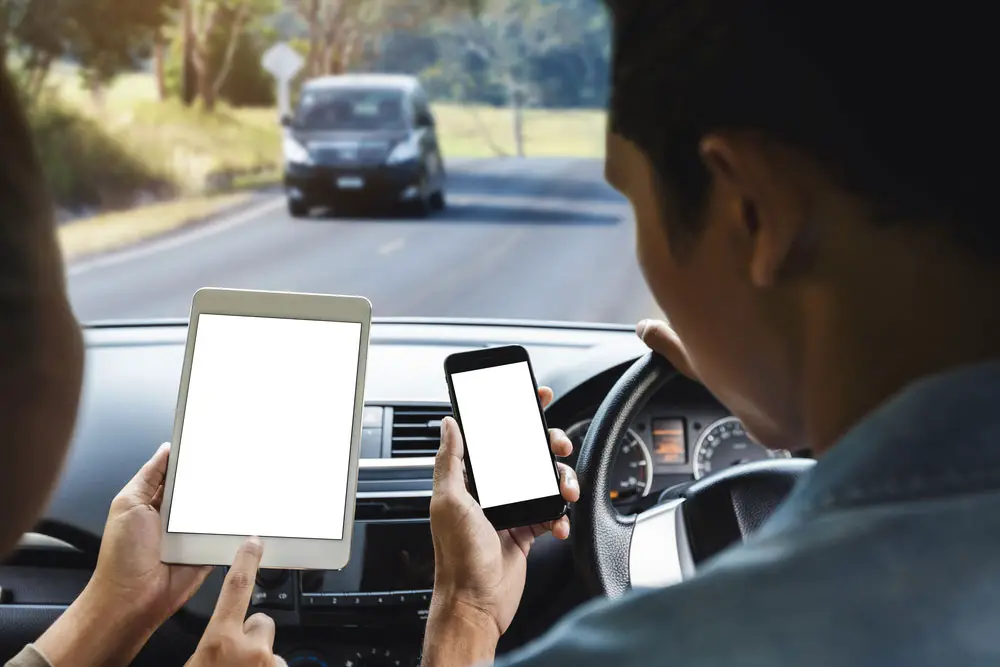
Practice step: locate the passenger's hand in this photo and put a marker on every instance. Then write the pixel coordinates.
(131, 593)
(129, 572)
(479, 571)
(659, 337)
(228, 639)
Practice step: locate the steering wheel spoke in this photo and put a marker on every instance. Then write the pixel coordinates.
(659, 553)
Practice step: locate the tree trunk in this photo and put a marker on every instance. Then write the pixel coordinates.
(314, 59)
(517, 111)
(202, 27)
(205, 88)
(159, 58)
(235, 34)
(188, 74)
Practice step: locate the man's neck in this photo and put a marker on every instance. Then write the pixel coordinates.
(905, 320)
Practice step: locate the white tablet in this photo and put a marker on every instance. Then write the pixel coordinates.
(267, 432)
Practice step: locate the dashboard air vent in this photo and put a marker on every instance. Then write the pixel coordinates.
(416, 430)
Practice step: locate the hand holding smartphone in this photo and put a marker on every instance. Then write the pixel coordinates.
(511, 471)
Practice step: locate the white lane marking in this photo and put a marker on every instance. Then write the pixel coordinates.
(153, 247)
(392, 246)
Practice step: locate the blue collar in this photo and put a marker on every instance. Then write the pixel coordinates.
(938, 437)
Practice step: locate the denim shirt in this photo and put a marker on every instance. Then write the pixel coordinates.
(887, 554)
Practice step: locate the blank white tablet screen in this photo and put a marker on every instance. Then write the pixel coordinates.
(265, 444)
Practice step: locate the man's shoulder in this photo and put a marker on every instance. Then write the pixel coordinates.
(855, 587)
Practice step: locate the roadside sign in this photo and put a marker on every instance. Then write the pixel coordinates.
(283, 63)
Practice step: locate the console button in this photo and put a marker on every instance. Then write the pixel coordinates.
(269, 578)
(272, 599)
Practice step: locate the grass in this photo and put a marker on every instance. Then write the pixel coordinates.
(185, 144)
(115, 230)
(114, 150)
(242, 136)
(478, 131)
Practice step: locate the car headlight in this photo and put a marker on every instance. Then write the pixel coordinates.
(295, 152)
(405, 151)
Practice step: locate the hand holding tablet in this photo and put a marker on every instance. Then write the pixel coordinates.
(267, 429)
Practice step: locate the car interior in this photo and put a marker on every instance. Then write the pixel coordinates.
(679, 482)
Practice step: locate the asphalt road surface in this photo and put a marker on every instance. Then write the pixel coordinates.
(533, 238)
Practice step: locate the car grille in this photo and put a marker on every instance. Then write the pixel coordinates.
(365, 155)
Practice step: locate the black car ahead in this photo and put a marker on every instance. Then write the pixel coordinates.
(363, 140)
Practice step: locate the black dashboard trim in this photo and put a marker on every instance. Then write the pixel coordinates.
(513, 323)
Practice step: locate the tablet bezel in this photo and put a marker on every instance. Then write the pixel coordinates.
(279, 552)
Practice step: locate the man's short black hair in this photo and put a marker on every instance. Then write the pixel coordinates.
(896, 100)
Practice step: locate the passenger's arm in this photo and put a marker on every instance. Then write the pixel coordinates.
(131, 593)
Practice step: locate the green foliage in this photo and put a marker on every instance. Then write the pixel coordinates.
(247, 84)
(103, 36)
(84, 165)
(557, 50)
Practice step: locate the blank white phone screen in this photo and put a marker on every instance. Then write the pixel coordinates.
(266, 441)
(504, 434)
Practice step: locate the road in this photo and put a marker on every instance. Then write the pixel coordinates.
(533, 238)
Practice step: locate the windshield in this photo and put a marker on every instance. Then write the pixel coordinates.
(351, 109)
(443, 159)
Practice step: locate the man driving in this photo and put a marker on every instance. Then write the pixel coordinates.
(811, 217)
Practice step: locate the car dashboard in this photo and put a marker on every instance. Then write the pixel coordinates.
(372, 612)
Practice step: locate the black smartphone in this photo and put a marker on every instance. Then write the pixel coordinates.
(512, 472)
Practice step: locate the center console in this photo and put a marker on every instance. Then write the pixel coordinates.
(387, 582)
(372, 613)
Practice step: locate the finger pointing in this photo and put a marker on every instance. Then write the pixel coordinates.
(238, 586)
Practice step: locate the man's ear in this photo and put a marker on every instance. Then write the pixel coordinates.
(762, 200)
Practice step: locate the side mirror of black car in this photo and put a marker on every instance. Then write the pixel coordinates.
(286, 120)
(424, 119)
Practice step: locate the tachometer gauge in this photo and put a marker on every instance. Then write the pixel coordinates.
(632, 474)
(725, 443)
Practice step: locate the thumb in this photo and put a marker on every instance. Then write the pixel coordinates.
(659, 337)
(449, 466)
(143, 487)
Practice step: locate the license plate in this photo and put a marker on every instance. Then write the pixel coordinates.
(350, 183)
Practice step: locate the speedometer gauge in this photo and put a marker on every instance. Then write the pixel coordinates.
(725, 443)
(632, 474)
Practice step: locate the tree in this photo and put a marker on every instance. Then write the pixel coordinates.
(341, 33)
(102, 36)
(504, 36)
(207, 16)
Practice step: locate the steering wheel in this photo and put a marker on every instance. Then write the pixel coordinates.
(664, 544)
